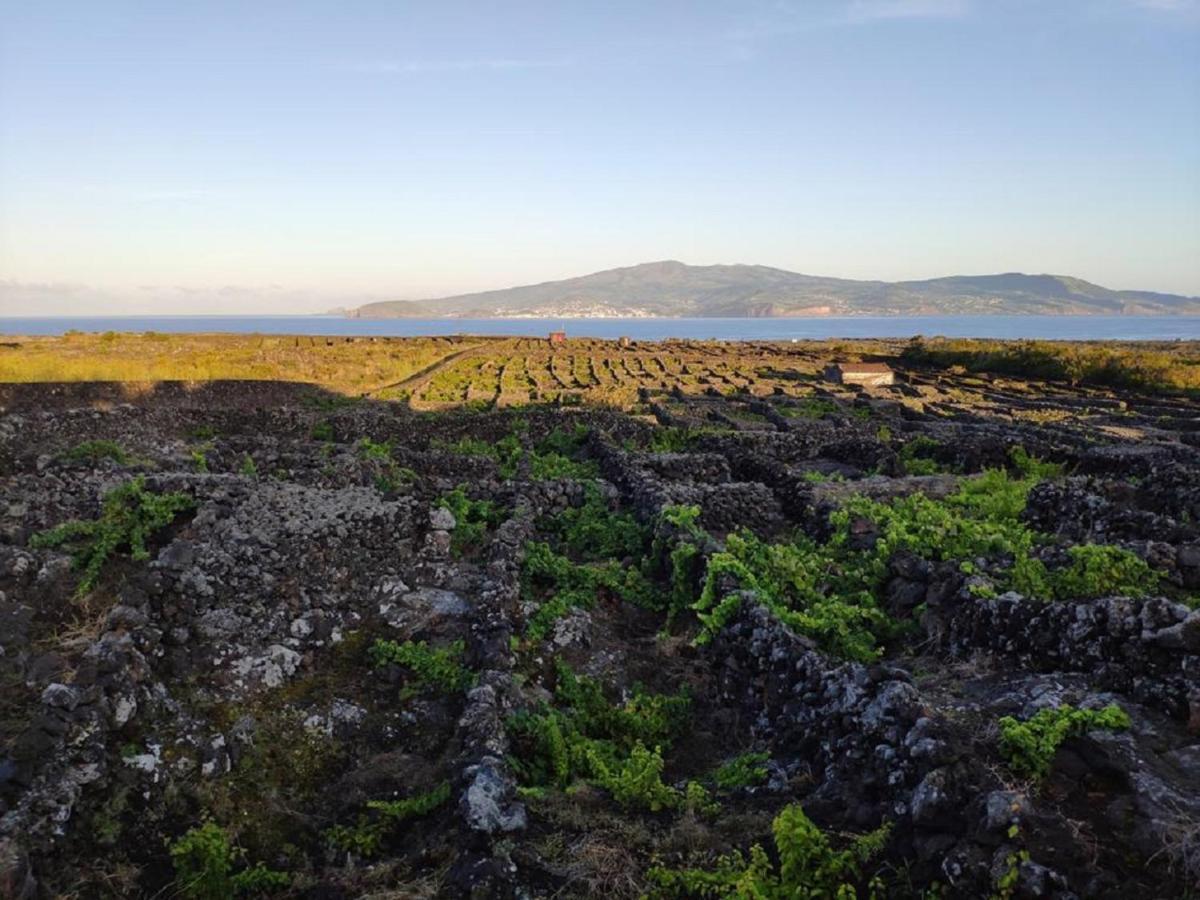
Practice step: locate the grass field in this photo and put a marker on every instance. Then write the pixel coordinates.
(1143, 366)
(491, 372)
(350, 365)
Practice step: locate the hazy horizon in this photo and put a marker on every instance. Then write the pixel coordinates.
(276, 158)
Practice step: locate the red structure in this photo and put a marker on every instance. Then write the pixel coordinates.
(558, 337)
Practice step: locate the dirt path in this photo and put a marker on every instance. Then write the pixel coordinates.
(416, 381)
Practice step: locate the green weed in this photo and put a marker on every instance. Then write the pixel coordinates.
(507, 451)
(742, 771)
(592, 531)
(374, 450)
(367, 834)
(472, 518)
(586, 736)
(672, 439)
(1030, 746)
(129, 516)
(436, 667)
(915, 457)
(808, 866)
(204, 861)
(94, 451)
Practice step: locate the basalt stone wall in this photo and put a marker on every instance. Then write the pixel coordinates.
(863, 453)
(1144, 460)
(792, 492)
(268, 570)
(1149, 649)
(487, 798)
(860, 728)
(701, 468)
(1101, 512)
(1174, 491)
(866, 739)
(644, 491)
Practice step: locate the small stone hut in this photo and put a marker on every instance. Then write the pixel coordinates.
(869, 374)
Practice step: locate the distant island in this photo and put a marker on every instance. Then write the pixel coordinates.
(672, 289)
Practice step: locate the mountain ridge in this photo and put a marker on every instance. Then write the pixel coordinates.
(672, 289)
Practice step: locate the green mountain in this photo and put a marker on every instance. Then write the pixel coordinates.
(673, 289)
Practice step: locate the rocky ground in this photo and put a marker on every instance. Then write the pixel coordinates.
(631, 646)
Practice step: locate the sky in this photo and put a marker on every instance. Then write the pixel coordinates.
(287, 157)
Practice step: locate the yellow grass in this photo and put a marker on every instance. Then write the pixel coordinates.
(343, 364)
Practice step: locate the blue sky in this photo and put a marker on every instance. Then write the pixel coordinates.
(288, 156)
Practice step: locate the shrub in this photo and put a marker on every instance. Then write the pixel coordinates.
(411, 807)
(389, 476)
(810, 408)
(1030, 746)
(1032, 467)
(94, 451)
(376, 451)
(915, 457)
(814, 477)
(1098, 570)
(129, 516)
(807, 587)
(589, 737)
(698, 801)
(636, 781)
(362, 838)
(549, 466)
(472, 518)
(808, 866)
(365, 836)
(742, 771)
(322, 431)
(258, 879)
(684, 561)
(564, 441)
(204, 862)
(994, 495)
(436, 667)
(248, 468)
(981, 519)
(642, 717)
(830, 591)
(556, 456)
(570, 584)
(1100, 364)
(592, 531)
(685, 518)
(506, 452)
(672, 439)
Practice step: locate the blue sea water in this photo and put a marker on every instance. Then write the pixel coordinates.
(1046, 327)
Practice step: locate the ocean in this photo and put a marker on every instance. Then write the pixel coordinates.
(1046, 327)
